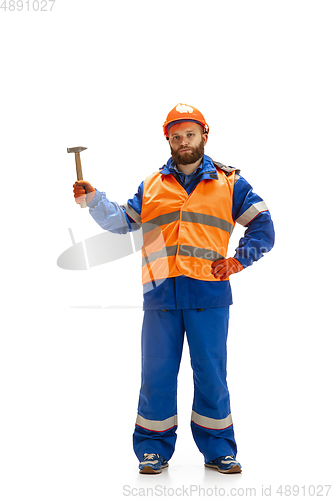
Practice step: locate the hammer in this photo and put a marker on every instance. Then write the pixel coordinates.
(77, 152)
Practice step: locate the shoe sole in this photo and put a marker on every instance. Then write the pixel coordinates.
(235, 469)
(149, 470)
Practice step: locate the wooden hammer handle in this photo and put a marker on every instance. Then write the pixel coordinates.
(79, 174)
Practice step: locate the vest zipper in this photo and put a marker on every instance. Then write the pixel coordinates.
(180, 220)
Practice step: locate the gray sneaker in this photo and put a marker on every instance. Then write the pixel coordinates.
(152, 463)
(226, 465)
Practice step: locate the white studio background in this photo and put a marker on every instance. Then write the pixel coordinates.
(104, 75)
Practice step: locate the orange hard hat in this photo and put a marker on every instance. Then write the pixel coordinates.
(184, 113)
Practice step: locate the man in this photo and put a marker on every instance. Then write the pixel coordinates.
(187, 211)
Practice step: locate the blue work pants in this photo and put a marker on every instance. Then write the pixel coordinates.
(162, 344)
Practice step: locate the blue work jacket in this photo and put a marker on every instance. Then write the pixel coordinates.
(183, 292)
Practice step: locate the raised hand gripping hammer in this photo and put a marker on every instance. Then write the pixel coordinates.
(79, 175)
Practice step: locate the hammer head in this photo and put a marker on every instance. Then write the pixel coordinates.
(76, 150)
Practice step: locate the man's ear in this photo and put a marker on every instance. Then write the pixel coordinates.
(205, 136)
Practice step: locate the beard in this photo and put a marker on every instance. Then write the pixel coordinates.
(188, 158)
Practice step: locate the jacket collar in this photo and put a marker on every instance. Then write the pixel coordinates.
(206, 168)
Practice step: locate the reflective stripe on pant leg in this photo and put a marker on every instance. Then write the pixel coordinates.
(156, 425)
(162, 342)
(211, 424)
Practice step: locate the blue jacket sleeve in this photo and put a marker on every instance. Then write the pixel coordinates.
(111, 216)
(250, 211)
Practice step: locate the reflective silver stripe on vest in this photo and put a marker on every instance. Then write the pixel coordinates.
(165, 252)
(132, 213)
(157, 425)
(208, 220)
(196, 217)
(251, 213)
(211, 423)
(185, 251)
(199, 253)
(160, 220)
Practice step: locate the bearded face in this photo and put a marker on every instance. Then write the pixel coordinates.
(185, 155)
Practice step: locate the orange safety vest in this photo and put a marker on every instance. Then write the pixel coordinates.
(183, 234)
